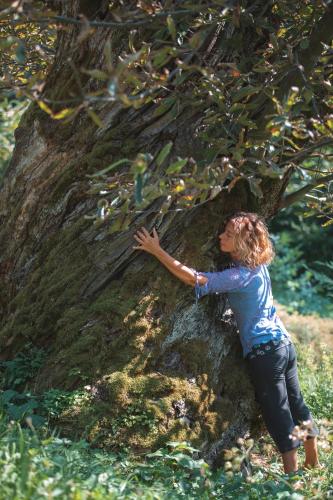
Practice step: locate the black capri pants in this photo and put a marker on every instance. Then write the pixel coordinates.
(277, 390)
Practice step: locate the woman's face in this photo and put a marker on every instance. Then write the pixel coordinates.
(227, 239)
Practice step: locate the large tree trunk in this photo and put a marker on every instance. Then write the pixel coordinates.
(110, 316)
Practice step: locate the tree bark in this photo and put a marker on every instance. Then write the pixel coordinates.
(107, 315)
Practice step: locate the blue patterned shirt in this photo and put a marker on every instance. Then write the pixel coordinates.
(249, 294)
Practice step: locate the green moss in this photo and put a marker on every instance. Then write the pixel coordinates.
(51, 288)
(131, 379)
(113, 301)
(136, 411)
(101, 150)
(69, 325)
(194, 355)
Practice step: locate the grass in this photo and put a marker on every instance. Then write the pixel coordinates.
(39, 464)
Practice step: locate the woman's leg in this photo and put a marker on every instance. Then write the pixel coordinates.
(268, 377)
(311, 453)
(300, 411)
(290, 461)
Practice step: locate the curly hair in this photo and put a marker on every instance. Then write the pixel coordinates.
(252, 240)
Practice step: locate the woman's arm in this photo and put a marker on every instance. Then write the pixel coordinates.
(151, 245)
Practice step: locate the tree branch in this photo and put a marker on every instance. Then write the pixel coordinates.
(301, 155)
(107, 24)
(298, 195)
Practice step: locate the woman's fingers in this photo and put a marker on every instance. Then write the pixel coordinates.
(144, 233)
(138, 238)
(142, 239)
(147, 242)
(141, 235)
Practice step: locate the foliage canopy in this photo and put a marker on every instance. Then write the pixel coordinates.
(256, 76)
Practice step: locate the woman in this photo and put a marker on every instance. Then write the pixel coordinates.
(267, 346)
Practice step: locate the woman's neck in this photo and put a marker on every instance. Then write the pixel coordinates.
(235, 257)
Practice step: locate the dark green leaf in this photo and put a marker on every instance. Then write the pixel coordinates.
(245, 92)
(110, 167)
(176, 166)
(171, 27)
(7, 396)
(163, 153)
(138, 189)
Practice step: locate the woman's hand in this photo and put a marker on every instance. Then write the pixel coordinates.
(150, 244)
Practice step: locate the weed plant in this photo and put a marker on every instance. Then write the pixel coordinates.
(38, 463)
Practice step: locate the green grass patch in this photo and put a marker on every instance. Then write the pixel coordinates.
(37, 463)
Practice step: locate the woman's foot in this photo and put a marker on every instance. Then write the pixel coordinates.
(312, 466)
